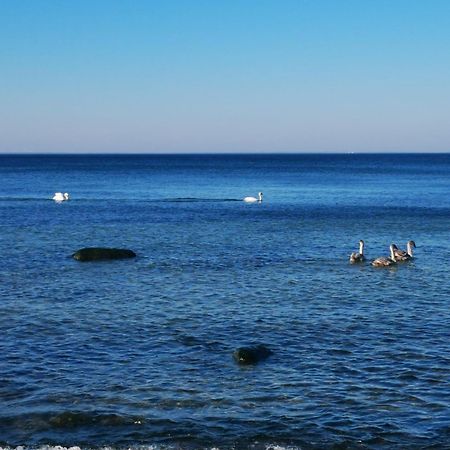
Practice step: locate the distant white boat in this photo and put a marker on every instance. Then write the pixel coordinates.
(60, 197)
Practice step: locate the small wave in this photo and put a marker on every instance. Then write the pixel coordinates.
(72, 419)
(76, 447)
(145, 200)
(198, 200)
(147, 447)
(23, 199)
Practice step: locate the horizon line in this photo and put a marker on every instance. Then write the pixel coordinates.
(260, 153)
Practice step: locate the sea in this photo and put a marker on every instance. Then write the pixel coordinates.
(138, 353)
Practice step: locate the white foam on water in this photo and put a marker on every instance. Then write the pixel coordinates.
(280, 447)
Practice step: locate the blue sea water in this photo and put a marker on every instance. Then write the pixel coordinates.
(138, 353)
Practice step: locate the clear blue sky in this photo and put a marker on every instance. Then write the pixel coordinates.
(224, 75)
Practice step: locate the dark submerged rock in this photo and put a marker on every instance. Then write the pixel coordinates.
(251, 355)
(100, 253)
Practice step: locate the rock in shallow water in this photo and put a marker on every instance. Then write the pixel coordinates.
(100, 253)
(251, 355)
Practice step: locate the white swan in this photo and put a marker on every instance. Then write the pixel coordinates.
(60, 197)
(401, 255)
(254, 199)
(358, 257)
(385, 262)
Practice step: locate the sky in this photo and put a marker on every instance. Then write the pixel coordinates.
(188, 76)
